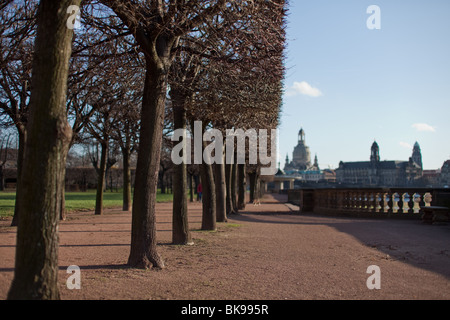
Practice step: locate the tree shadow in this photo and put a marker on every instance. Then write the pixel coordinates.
(410, 241)
(121, 266)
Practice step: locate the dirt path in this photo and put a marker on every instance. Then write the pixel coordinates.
(266, 252)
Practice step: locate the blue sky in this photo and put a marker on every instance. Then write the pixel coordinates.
(347, 85)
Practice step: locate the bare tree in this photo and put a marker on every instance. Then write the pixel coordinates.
(36, 264)
(17, 32)
(101, 128)
(157, 27)
(127, 138)
(182, 79)
(212, 67)
(242, 80)
(103, 64)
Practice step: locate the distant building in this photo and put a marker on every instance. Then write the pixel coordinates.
(329, 175)
(382, 173)
(431, 178)
(301, 157)
(301, 168)
(445, 174)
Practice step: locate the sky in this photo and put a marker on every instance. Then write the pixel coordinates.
(347, 85)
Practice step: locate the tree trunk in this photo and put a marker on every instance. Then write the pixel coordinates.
(228, 181)
(162, 184)
(191, 189)
(208, 196)
(196, 183)
(234, 187)
(126, 180)
(143, 251)
(62, 197)
(252, 178)
(220, 185)
(22, 142)
(49, 135)
(2, 179)
(101, 179)
(180, 225)
(242, 184)
(255, 192)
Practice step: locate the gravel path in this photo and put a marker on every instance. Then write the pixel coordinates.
(267, 252)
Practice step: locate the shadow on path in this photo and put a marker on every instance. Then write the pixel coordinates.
(410, 241)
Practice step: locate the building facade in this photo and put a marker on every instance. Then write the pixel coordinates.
(445, 174)
(301, 167)
(301, 157)
(377, 173)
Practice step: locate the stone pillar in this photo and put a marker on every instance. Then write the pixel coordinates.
(291, 184)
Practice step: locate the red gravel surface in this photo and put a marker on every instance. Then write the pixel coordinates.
(267, 252)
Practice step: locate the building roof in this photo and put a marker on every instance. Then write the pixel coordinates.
(387, 164)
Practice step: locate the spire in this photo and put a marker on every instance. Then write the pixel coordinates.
(375, 153)
(417, 155)
(316, 162)
(301, 135)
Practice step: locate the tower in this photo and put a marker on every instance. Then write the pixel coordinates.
(316, 163)
(301, 136)
(374, 161)
(375, 153)
(301, 156)
(417, 155)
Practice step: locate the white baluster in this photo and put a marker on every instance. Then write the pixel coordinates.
(416, 200)
(406, 200)
(395, 200)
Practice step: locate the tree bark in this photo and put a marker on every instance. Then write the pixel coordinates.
(180, 225)
(101, 179)
(143, 251)
(228, 181)
(234, 187)
(2, 179)
(208, 196)
(220, 185)
(126, 180)
(242, 185)
(255, 192)
(252, 178)
(49, 135)
(191, 190)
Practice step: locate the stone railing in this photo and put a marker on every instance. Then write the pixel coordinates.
(388, 202)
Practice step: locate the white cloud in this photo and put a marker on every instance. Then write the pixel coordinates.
(405, 145)
(303, 88)
(423, 127)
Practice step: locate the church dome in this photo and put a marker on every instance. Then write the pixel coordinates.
(301, 155)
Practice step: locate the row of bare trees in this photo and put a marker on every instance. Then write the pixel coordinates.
(133, 72)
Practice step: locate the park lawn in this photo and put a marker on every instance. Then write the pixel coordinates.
(76, 201)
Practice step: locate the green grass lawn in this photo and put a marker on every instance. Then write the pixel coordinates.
(76, 201)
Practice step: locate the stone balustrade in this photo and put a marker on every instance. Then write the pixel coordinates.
(399, 202)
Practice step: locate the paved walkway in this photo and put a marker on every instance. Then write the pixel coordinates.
(265, 252)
